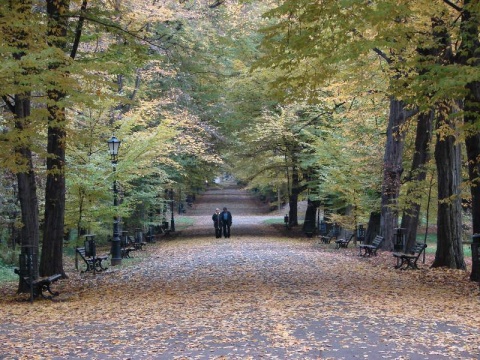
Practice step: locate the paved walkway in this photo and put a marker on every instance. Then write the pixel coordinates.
(257, 295)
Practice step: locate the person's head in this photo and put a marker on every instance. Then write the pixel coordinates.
(224, 209)
(217, 210)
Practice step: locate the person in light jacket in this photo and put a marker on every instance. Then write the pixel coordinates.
(217, 223)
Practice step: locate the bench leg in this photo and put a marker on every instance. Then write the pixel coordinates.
(46, 287)
(412, 264)
(99, 266)
(89, 267)
(400, 262)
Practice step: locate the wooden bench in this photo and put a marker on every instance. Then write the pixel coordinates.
(371, 249)
(409, 259)
(326, 239)
(92, 263)
(343, 243)
(127, 245)
(165, 229)
(137, 243)
(40, 285)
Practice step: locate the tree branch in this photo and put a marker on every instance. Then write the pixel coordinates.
(216, 4)
(454, 6)
(9, 104)
(78, 30)
(383, 55)
(116, 27)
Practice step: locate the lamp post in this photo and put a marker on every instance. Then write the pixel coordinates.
(116, 251)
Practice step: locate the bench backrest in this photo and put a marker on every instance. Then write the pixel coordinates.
(377, 241)
(81, 251)
(329, 234)
(418, 248)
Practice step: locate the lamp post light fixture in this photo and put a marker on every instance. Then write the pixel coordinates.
(116, 251)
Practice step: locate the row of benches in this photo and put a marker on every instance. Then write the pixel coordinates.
(405, 260)
(128, 244)
(40, 287)
(96, 263)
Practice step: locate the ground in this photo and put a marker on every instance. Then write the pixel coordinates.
(264, 293)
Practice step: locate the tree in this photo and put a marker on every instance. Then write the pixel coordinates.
(53, 231)
(468, 58)
(449, 219)
(416, 176)
(19, 38)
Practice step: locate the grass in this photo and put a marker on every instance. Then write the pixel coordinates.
(183, 221)
(7, 274)
(273, 221)
(432, 244)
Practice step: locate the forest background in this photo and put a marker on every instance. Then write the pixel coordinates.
(366, 109)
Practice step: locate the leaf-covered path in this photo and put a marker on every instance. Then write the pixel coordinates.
(258, 295)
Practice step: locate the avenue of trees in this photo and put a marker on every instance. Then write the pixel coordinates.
(367, 109)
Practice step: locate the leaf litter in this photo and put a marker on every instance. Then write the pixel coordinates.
(264, 293)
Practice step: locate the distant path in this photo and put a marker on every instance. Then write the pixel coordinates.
(248, 213)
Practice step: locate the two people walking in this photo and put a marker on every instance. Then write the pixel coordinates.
(222, 221)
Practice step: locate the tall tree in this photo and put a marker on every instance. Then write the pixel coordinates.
(469, 57)
(53, 231)
(449, 219)
(18, 33)
(417, 174)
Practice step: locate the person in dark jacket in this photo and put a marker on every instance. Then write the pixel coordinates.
(226, 219)
(217, 223)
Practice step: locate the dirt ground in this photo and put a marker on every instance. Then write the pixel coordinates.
(264, 293)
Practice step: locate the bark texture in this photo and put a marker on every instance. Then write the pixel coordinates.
(410, 218)
(449, 218)
(53, 234)
(392, 171)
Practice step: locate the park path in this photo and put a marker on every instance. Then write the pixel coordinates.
(258, 295)
(249, 214)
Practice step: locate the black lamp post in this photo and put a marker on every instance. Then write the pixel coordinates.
(116, 251)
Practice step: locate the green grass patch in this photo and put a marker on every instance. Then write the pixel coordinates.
(183, 222)
(273, 221)
(432, 244)
(7, 274)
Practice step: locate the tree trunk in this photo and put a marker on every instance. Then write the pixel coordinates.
(309, 225)
(449, 218)
(418, 174)
(27, 190)
(53, 234)
(392, 171)
(469, 57)
(373, 227)
(293, 198)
